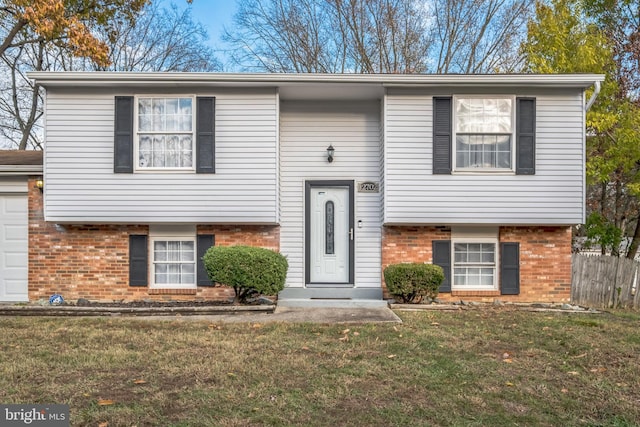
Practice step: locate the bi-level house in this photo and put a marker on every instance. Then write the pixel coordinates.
(483, 175)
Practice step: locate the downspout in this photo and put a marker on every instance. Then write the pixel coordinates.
(594, 95)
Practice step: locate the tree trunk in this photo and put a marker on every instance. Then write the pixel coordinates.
(635, 242)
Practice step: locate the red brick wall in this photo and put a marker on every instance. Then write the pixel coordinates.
(92, 261)
(545, 262)
(545, 259)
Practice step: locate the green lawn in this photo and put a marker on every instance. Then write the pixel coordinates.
(477, 367)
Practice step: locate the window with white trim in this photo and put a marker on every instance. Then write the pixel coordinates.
(173, 262)
(475, 258)
(164, 133)
(474, 265)
(172, 256)
(483, 133)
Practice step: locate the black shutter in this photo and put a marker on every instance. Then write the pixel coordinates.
(525, 136)
(442, 257)
(205, 135)
(123, 135)
(138, 255)
(204, 242)
(510, 268)
(441, 136)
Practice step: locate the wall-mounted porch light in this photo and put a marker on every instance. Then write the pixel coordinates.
(330, 151)
(40, 184)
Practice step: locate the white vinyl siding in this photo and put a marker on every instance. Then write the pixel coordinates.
(306, 130)
(554, 195)
(82, 187)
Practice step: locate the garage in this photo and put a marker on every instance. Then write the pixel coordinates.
(15, 169)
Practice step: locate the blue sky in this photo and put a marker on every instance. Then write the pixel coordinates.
(214, 15)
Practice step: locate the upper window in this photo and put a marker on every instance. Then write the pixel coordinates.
(165, 137)
(484, 133)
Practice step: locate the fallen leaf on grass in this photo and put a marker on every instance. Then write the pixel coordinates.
(344, 338)
(355, 334)
(507, 360)
(509, 384)
(391, 356)
(105, 402)
(139, 382)
(104, 424)
(305, 348)
(598, 369)
(256, 326)
(572, 373)
(564, 390)
(580, 356)
(346, 331)
(231, 374)
(435, 324)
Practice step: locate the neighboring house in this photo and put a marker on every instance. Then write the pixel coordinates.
(16, 167)
(481, 174)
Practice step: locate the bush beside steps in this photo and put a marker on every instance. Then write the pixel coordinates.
(412, 282)
(249, 270)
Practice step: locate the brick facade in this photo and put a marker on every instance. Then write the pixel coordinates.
(545, 259)
(92, 261)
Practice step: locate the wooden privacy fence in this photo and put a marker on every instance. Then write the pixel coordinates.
(602, 281)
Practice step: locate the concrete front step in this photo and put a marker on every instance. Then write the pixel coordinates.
(331, 303)
(328, 296)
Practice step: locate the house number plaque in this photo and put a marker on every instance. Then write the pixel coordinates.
(368, 187)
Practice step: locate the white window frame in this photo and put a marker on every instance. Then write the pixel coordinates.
(478, 235)
(454, 144)
(172, 233)
(136, 142)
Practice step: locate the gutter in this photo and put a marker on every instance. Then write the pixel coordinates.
(594, 95)
(76, 79)
(21, 169)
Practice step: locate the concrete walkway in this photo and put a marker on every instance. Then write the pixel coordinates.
(292, 315)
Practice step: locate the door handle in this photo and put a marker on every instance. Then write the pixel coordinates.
(351, 233)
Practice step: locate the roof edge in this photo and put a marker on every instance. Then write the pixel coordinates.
(62, 78)
(21, 170)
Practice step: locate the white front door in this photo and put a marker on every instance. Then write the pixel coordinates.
(330, 234)
(14, 248)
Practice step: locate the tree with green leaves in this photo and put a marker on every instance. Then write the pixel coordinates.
(577, 36)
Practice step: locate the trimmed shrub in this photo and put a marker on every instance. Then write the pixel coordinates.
(248, 270)
(412, 282)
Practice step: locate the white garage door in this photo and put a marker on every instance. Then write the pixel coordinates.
(13, 247)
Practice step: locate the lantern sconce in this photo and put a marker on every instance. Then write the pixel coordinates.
(330, 151)
(40, 184)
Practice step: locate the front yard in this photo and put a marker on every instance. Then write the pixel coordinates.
(476, 367)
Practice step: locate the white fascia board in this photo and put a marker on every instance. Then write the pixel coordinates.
(75, 79)
(20, 170)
